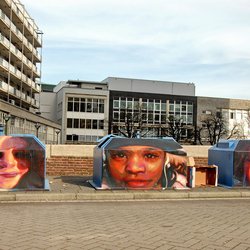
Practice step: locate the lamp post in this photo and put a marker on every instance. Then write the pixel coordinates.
(6, 118)
(37, 126)
(57, 134)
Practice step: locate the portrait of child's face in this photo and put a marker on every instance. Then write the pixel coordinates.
(136, 166)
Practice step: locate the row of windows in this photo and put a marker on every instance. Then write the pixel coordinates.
(157, 132)
(139, 104)
(152, 105)
(150, 118)
(84, 138)
(85, 123)
(90, 105)
(151, 111)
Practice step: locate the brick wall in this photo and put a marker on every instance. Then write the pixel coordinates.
(83, 166)
(69, 166)
(201, 160)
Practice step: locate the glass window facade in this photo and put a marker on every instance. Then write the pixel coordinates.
(93, 121)
(153, 113)
(90, 105)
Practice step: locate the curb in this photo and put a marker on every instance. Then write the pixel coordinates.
(123, 195)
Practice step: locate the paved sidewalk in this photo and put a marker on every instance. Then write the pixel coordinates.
(77, 188)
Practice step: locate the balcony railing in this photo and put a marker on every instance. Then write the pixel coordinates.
(19, 34)
(18, 53)
(3, 86)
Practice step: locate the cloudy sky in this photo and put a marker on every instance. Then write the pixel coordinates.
(206, 42)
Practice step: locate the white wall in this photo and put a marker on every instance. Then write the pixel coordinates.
(150, 86)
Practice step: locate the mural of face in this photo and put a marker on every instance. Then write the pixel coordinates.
(136, 166)
(14, 161)
(247, 169)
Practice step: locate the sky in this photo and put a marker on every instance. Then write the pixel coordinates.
(205, 42)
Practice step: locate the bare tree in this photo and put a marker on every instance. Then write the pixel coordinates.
(236, 132)
(133, 123)
(215, 127)
(173, 128)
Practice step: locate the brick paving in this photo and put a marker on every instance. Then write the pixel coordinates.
(132, 225)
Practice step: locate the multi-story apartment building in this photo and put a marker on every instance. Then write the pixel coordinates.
(20, 73)
(20, 40)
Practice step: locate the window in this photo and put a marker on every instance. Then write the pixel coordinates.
(76, 123)
(88, 123)
(94, 123)
(189, 119)
(70, 104)
(171, 107)
(157, 105)
(76, 104)
(163, 106)
(151, 105)
(144, 105)
(129, 104)
(69, 137)
(232, 115)
(101, 106)
(190, 108)
(150, 118)
(82, 105)
(116, 116)
(89, 105)
(69, 123)
(116, 103)
(123, 104)
(101, 124)
(183, 108)
(95, 105)
(82, 123)
(163, 118)
(75, 137)
(177, 107)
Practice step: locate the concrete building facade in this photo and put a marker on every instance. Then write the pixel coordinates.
(87, 111)
(76, 106)
(20, 56)
(235, 112)
(153, 102)
(20, 74)
(81, 108)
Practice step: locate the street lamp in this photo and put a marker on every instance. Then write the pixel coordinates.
(37, 126)
(6, 118)
(57, 133)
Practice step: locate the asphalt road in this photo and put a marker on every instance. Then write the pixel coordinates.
(190, 224)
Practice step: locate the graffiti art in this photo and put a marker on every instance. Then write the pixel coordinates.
(22, 163)
(133, 163)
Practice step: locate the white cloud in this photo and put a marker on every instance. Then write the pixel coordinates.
(197, 41)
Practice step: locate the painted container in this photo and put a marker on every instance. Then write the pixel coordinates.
(22, 163)
(233, 160)
(138, 163)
